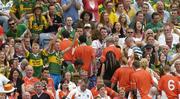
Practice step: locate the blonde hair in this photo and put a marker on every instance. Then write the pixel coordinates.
(144, 63)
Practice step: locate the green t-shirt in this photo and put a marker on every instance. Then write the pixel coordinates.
(20, 29)
(72, 33)
(154, 27)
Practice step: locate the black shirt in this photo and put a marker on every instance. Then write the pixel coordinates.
(43, 96)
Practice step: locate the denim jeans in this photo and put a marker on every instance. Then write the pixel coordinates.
(57, 79)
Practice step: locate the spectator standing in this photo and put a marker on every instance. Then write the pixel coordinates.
(70, 9)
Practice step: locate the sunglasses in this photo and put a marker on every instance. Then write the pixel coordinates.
(11, 23)
(129, 32)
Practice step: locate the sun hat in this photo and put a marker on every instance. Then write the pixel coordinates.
(8, 88)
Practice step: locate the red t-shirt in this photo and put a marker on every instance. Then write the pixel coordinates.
(142, 81)
(112, 48)
(122, 75)
(65, 43)
(87, 54)
(169, 84)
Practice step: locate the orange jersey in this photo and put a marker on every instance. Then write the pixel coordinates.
(65, 43)
(110, 92)
(112, 48)
(178, 77)
(29, 82)
(142, 81)
(169, 84)
(122, 75)
(62, 94)
(87, 54)
(50, 85)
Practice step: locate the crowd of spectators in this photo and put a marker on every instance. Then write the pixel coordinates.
(89, 49)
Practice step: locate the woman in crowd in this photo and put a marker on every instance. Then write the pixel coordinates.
(123, 21)
(118, 29)
(4, 64)
(104, 19)
(109, 67)
(15, 78)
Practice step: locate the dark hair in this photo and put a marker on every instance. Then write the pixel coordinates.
(84, 13)
(135, 27)
(96, 35)
(154, 14)
(45, 68)
(136, 64)
(82, 39)
(10, 19)
(11, 74)
(139, 12)
(117, 4)
(110, 60)
(177, 46)
(45, 79)
(114, 29)
(78, 62)
(65, 34)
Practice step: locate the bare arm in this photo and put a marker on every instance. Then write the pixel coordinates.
(77, 4)
(23, 46)
(65, 7)
(102, 70)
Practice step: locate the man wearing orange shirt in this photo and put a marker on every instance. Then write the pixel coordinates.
(29, 81)
(64, 44)
(111, 47)
(86, 54)
(141, 81)
(122, 76)
(169, 84)
(50, 82)
(100, 82)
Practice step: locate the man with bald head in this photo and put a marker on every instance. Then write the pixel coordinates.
(29, 80)
(163, 13)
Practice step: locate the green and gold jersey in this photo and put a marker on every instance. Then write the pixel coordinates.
(55, 61)
(21, 7)
(36, 61)
(37, 25)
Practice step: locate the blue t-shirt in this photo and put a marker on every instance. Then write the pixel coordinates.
(72, 11)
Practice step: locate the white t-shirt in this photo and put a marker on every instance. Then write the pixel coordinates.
(78, 94)
(3, 80)
(162, 40)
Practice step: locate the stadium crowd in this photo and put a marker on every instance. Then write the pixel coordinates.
(89, 49)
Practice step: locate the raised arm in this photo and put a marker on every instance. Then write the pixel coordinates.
(66, 6)
(23, 46)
